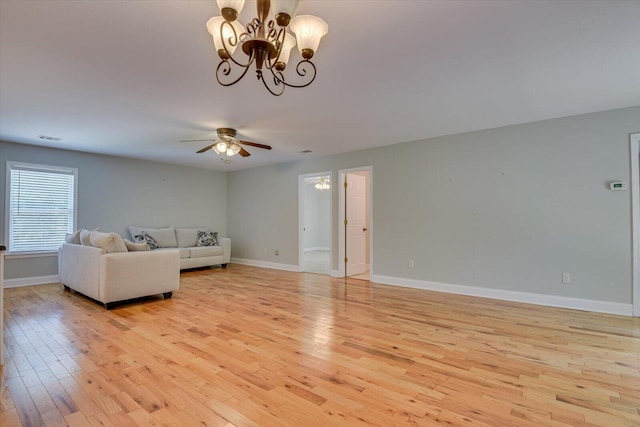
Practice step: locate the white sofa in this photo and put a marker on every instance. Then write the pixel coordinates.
(185, 241)
(111, 277)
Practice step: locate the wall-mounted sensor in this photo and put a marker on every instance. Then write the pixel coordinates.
(618, 185)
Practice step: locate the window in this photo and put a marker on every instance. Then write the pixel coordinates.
(41, 207)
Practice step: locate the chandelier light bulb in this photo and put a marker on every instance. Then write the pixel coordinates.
(323, 184)
(283, 10)
(230, 33)
(230, 9)
(309, 30)
(285, 53)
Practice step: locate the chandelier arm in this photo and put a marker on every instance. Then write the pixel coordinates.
(224, 67)
(234, 40)
(278, 41)
(302, 71)
(277, 84)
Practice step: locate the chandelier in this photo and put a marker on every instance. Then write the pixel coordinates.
(265, 44)
(323, 184)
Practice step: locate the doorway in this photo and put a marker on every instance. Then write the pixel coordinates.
(314, 219)
(356, 223)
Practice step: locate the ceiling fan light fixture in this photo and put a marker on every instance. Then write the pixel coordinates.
(227, 144)
(233, 149)
(221, 147)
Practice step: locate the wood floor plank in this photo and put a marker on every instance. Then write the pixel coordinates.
(252, 346)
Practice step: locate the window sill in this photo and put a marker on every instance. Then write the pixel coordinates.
(30, 255)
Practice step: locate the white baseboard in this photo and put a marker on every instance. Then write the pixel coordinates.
(319, 248)
(525, 297)
(266, 264)
(29, 281)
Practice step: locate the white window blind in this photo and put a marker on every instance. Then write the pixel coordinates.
(41, 207)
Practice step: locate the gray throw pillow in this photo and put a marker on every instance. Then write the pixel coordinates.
(207, 238)
(144, 237)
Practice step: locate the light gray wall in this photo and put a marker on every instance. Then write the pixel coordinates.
(509, 208)
(114, 193)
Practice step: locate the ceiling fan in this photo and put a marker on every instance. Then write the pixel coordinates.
(228, 144)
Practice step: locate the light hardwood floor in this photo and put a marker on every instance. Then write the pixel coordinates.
(255, 347)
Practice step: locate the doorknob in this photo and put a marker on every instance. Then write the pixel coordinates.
(364, 229)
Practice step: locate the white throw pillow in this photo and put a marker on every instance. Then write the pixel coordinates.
(73, 238)
(84, 236)
(110, 242)
(135, 246)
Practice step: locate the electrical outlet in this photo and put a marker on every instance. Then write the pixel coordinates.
(411, 264)
(277, 252)
(566, 278)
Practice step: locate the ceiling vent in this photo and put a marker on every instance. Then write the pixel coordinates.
(305, 151)
(49, 138)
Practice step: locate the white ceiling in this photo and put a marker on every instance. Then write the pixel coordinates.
(132, 78)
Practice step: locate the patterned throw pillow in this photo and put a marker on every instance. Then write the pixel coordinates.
(207, 238)
(144, 237)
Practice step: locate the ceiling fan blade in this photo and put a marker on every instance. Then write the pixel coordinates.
(207, 148)
(197, 140)
(255, 144)
(244, 153)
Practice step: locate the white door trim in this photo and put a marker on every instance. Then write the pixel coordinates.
(301, 179)
(341, 217)
(634, 143)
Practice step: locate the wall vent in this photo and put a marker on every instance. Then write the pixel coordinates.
(49, 138)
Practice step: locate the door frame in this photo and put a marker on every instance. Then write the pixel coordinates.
(634, 144)
(301, 179)
(342, 173)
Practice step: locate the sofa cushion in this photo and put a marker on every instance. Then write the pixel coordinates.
(205, 251)
(110, 242)
(74, 238)
(135, 246)
(145, 238)
(84, 236)
(165, 237)
(207, 238)
(187, 237)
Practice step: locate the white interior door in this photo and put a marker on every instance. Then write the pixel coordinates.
(355, 213)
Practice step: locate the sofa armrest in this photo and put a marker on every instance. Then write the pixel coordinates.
(78, 268)
(127, 275)
(225, 242)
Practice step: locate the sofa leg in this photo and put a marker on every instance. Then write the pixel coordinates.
(223, 265)
(167, 295)
(66, 288)
(108, 305)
